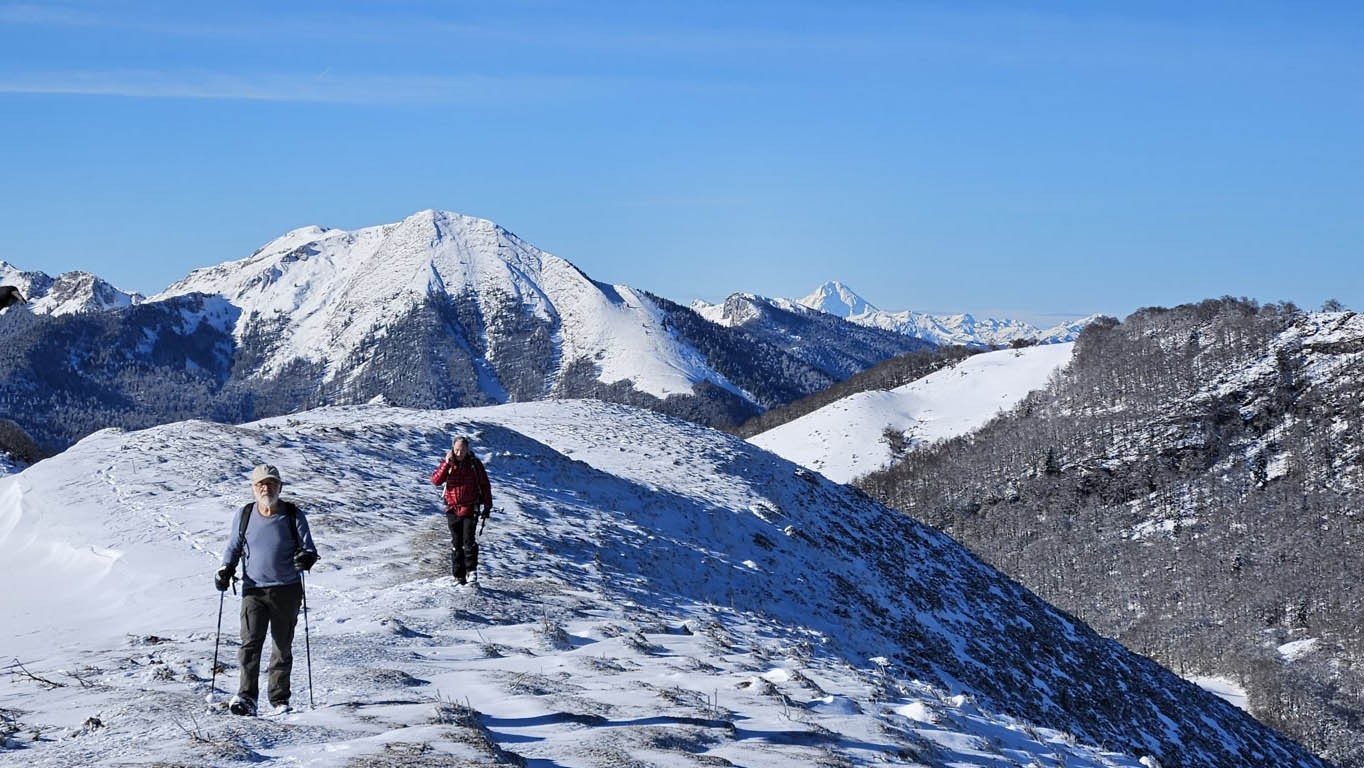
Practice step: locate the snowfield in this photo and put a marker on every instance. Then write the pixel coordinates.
(653, 594)
(845, 439)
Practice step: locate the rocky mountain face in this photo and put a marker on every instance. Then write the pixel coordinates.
(1192, 486)
(436, 311)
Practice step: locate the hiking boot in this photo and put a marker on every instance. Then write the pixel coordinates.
(282, 708)
(461, 579)
(240, 706)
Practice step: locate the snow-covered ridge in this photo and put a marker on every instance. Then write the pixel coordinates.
(739, 308)
(68, 293)
(846, 439)
(652, 591)
(838, 299)
(329, 294)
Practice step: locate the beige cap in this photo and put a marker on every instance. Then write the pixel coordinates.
(265, 472)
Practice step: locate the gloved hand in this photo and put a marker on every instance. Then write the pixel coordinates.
(223, 578)
(487, 511)
(304, 559)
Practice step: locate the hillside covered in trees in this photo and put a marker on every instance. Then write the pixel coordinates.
(1190, 486)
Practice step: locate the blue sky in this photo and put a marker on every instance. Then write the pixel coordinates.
(1008, 158)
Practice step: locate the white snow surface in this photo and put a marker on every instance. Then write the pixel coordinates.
(334, 292)
(1295, 650)
(1227, 689)
(560, 658)
(845, 439)
(715, 313)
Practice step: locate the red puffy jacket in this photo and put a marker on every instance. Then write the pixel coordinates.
(466, 485)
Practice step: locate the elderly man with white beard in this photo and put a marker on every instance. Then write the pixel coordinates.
(271, 538)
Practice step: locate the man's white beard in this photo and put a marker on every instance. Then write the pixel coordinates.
(266, 499)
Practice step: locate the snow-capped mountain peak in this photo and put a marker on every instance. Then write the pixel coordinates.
(836, 299)
(959, 328)
(326, 297)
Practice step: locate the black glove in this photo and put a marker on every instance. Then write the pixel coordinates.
(304, 559)
(223, 578)
(487, 512)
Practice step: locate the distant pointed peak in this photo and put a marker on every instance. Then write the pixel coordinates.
(837, 299)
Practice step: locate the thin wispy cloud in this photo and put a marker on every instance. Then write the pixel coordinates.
(618, 35)
(949, 35)
(46, 15)
(630, 38)
(232, 27)
(307, 88)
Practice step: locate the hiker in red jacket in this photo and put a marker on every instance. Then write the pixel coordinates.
(467, 494)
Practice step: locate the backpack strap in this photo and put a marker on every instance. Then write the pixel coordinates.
(241, 532)
(289, 510)
(292, 512)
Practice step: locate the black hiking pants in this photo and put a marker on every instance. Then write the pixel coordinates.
(463, 543)
(272, 609)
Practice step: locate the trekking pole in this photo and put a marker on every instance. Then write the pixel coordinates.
(213, 684)
(484, 522)
(307, 643)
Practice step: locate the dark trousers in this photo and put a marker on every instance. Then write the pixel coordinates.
(272, 609)
(463, 543)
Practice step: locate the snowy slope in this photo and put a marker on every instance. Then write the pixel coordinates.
(845, 439)
(328, 296)
(651, 596)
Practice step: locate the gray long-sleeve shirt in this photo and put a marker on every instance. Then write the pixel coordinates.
(268, 554)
